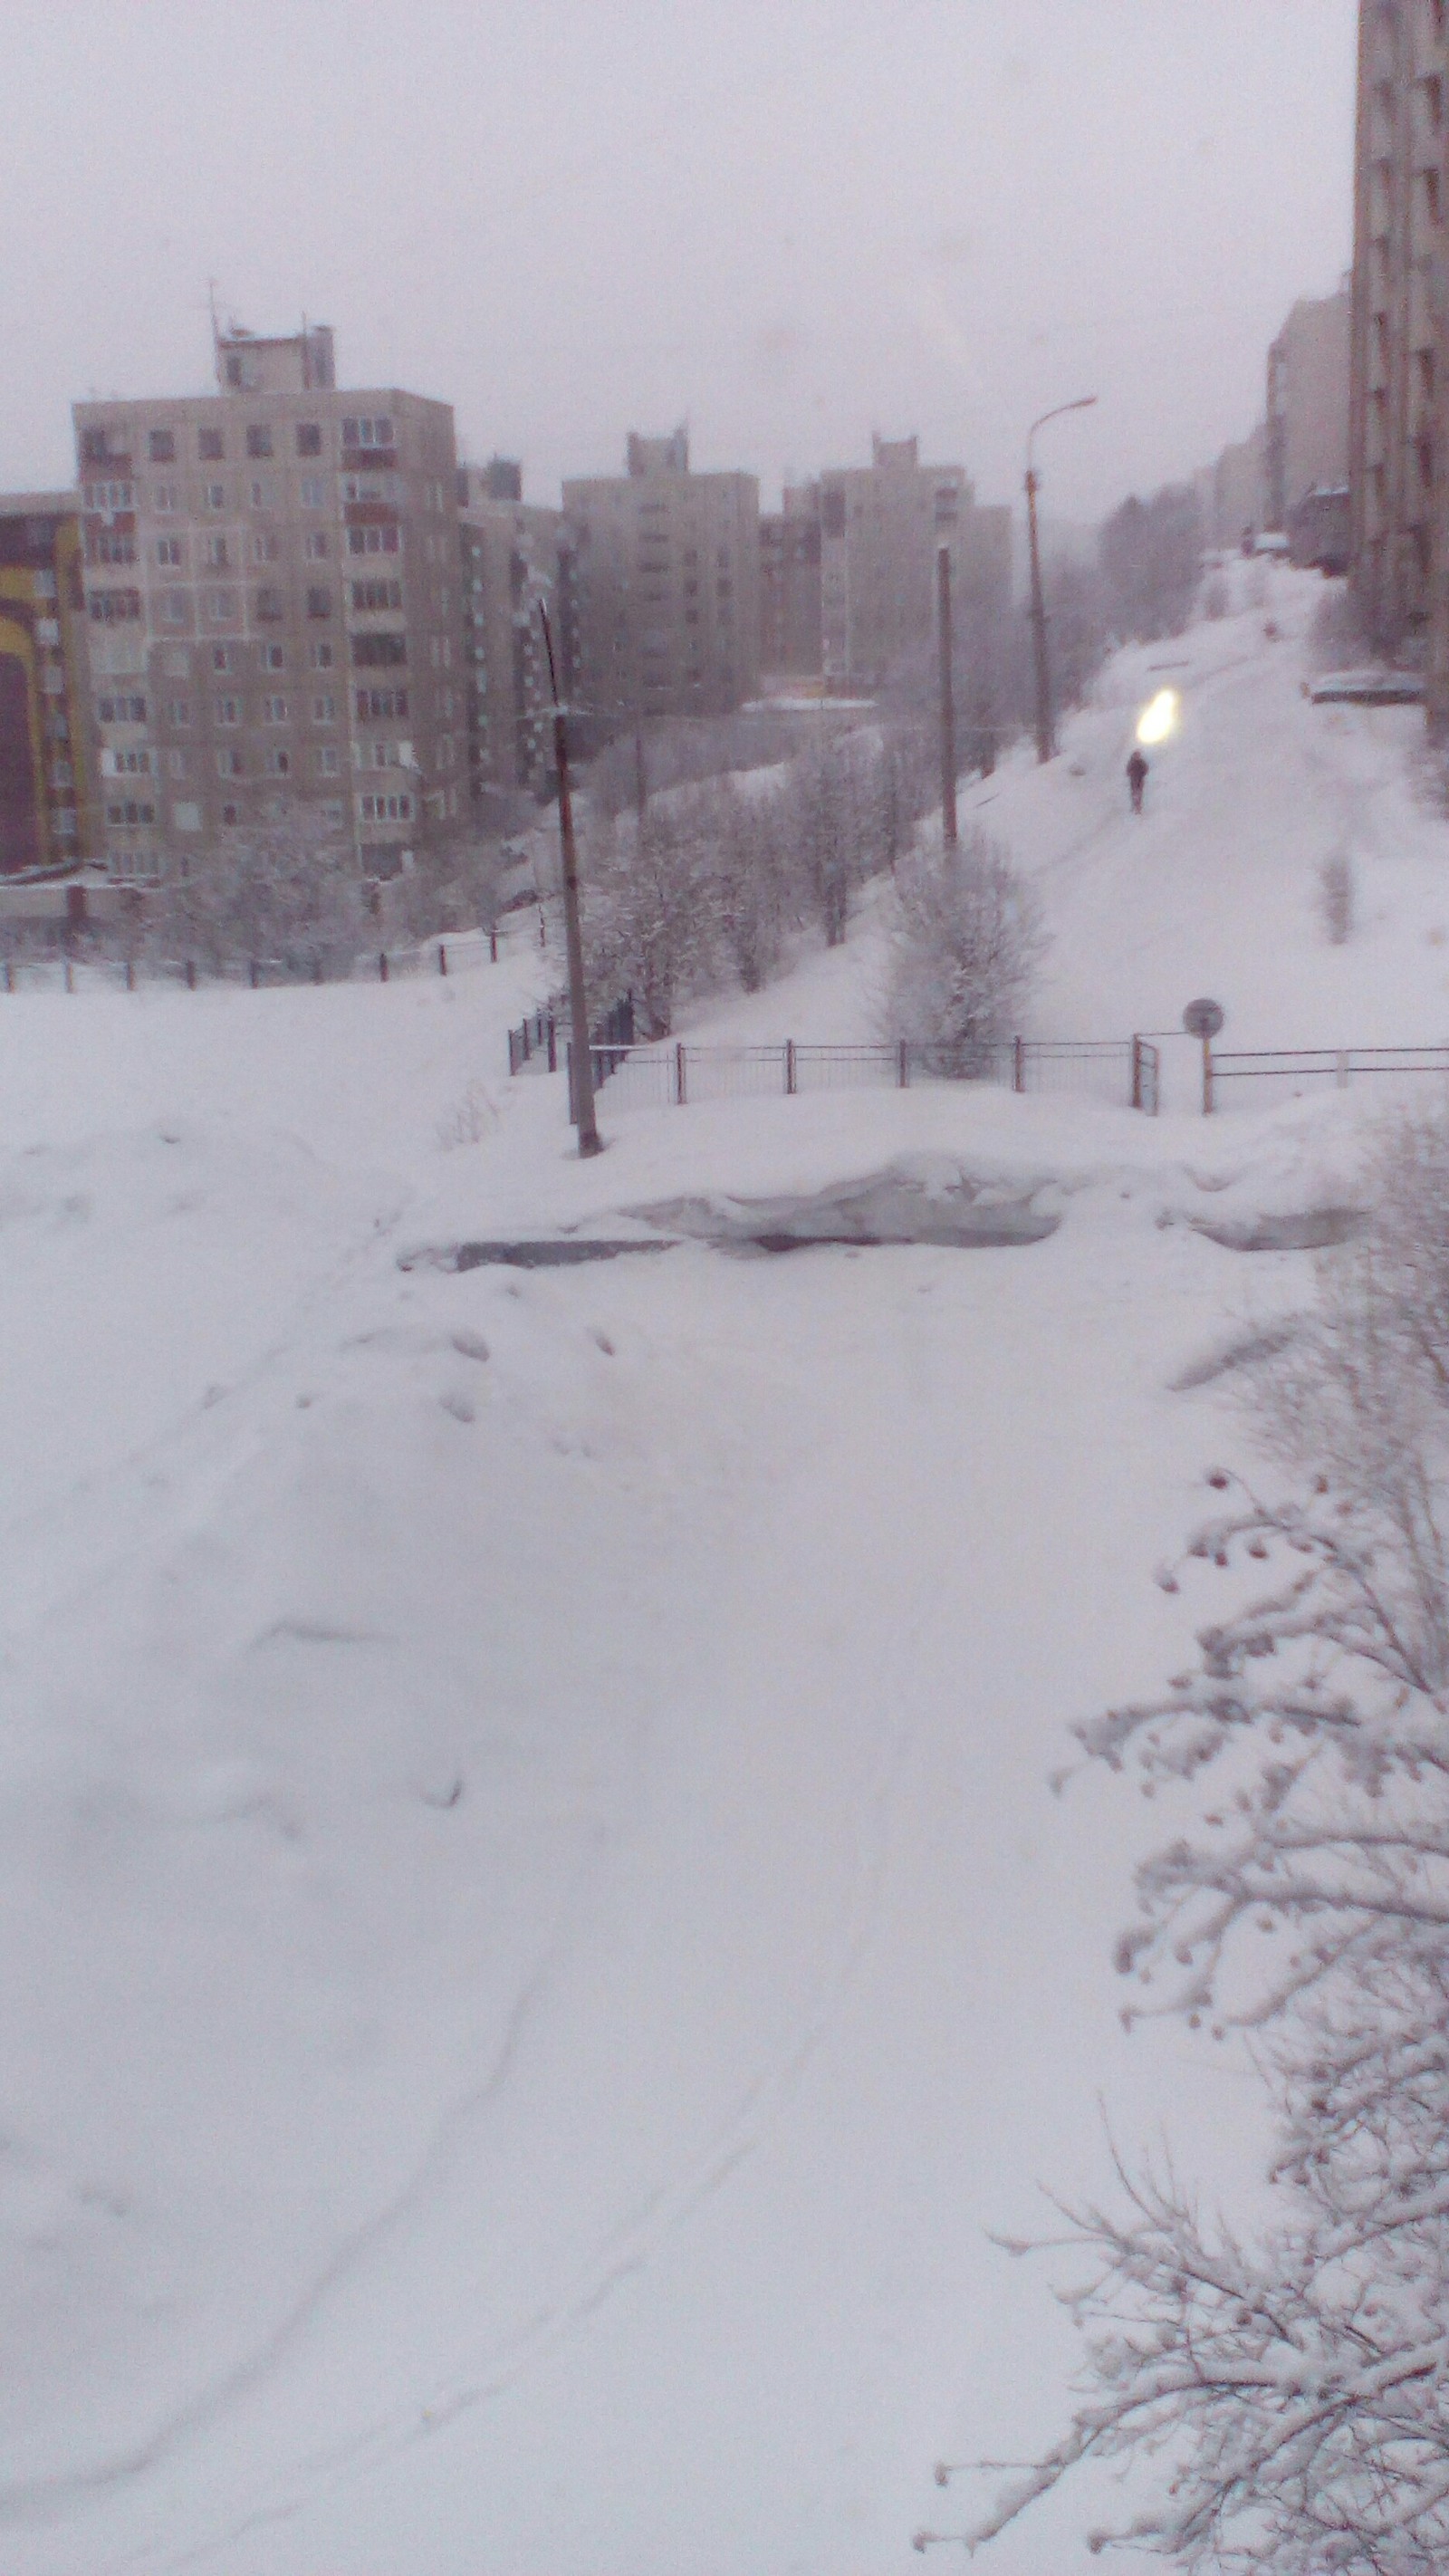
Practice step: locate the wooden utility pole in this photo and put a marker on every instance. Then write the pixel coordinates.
(641, 775)
(948, 701)
(1044, 743)
(590, 1141)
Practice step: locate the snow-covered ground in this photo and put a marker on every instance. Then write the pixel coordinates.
(537, 1939)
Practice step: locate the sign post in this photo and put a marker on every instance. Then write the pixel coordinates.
(1203, 1019)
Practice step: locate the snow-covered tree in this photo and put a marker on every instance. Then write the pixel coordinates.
(964, 943)
(746, 834)
(649, 920)
(1297, 2391)
(283, 888)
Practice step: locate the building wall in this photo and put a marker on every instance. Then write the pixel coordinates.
(791, 641)
(882, 526)
(47, 751)
(273, 588)
(512, 553)
(1397, 323)
(665, 584)
(1306, 448)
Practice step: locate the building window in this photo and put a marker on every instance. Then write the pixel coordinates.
(228, 711)
(166, 496)
(272, 657)
(229, 764)
(223, 657)
(108, 496)
(321, 655)
(175, 608)
(177, 763)
(127, 816)
(161, 447)
(309, 438)
(369, 652)
(328, 760)
(106, 547)
(324, 710)
(374, 541)
(319, 604)
(114, 607)
(365, 487)
(215, 552)
(168, 550)
(213, 496)
(210, 446)
(370, 595)
(120, 710)
(261, 496)
(186, 818)
(271, 606)
(276, 711)
(231, 813)
(375, 705)
(365, 432)
(314, 545)
(314, 492)
(259, 438)
(178, 711)
(385, 809)
(279, 764)
(384, 755)
(266, 547)
(221, 606)
(128, 764)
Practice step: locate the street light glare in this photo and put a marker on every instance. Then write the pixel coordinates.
(1159, 717)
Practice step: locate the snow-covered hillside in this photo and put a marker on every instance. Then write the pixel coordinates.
(537, 1936)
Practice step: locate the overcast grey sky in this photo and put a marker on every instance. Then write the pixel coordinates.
(788, 221)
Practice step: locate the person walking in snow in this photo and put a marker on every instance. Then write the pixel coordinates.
(1137, 779)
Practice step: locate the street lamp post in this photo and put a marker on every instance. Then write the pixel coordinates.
(1045, 745)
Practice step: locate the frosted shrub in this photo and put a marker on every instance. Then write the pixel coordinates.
(965, 940)
(1335, 897)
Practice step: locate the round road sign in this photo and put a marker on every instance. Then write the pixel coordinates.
(1203, 1019)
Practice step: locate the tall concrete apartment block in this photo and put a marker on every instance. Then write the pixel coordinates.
(790, 631)
(666, 588)
(881, 527)
(1306, 432)
(1397, 358)
(47, 742)
(514, 559)
(273, 594)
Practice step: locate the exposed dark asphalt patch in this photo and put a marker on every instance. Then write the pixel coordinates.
(557, 1255)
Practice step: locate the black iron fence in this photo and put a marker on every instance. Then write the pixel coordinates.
(1124, 1071)
(1310, 1068)
(86, 970)
(538, 1035)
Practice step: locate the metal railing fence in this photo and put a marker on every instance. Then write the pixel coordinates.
(1123, 1071)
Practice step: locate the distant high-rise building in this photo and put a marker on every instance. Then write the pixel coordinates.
(273, 595)
(882, 526)
(1306, 436)
(666, 588)
(47, 750)
(790, 630)
(1396, 363)
(513, 559)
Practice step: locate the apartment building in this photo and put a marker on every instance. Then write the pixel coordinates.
(1396, 359)
(514, 556)
(47, 748)
(881, 527)
(790, 629)
(1306, 430)
(274, 611)
(665, 571)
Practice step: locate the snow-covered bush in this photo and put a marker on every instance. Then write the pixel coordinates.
(964, 942)
(648, 909)
(284, 888)
(1297, 2390)
(833, 829)
(747, 837)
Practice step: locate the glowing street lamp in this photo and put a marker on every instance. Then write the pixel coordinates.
(1159, 717)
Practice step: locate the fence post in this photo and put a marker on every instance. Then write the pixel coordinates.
(679, 1086)
(1136, 1072)
(1018, 1064)
(903, 1064)
(789, 1068)
(69, 976)
(191, 974)
(1341, 1069)
(252, 977)
(9, 974)
(316, 970)
(382, 965)
(552, 1045)
(492, 947)
(442, 959)
(1207, 1077)
(130, 974)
